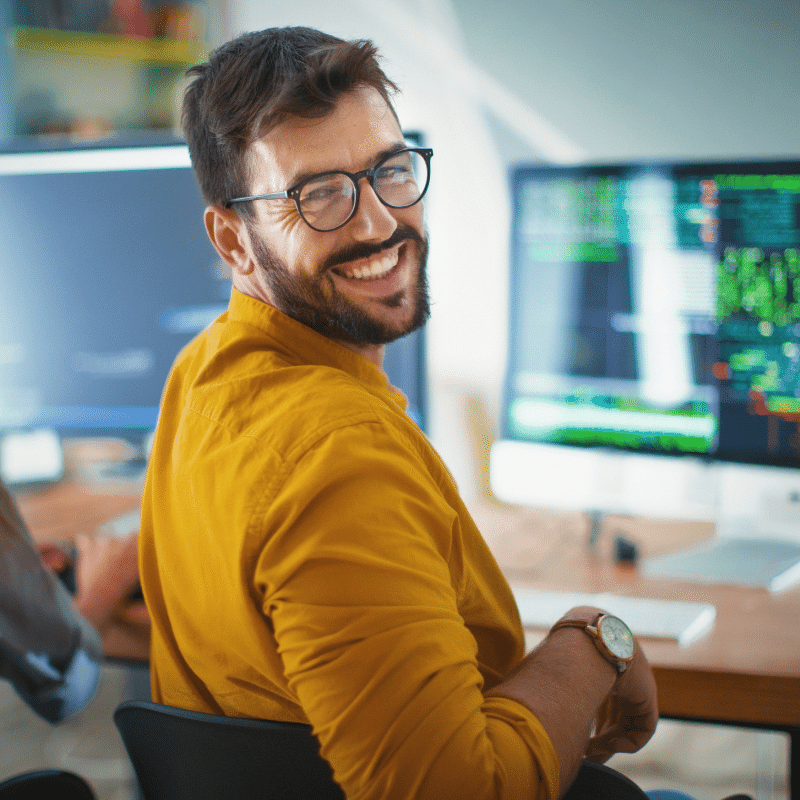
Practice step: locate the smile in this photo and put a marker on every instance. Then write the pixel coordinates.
(371, 269)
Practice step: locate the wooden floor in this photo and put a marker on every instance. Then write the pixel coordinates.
(708, 763)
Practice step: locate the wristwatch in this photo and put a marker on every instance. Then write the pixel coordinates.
(611, 636)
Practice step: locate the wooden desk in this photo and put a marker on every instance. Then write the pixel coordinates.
(57, 514)
(79, 502)
(745, 672)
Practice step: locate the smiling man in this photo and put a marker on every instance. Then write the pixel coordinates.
(363, 282)
(305, 554)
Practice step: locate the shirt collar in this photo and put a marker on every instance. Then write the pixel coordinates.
(304, 345)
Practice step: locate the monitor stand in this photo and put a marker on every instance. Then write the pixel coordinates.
(756, 509)
(603, 480)
(743, 500)
(757, 538)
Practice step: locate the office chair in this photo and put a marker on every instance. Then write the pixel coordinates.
(599, 782)
(46, 784)
(188, 755)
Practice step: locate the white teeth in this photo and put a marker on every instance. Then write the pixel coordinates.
(376, 269)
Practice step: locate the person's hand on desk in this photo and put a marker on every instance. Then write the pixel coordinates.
(57, 558)
(107, 573)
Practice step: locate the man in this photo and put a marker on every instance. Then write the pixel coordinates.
(50, 645)
(305, 554)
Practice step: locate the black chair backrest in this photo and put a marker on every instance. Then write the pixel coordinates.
(599, 782)
(188, 755)
(46, 784)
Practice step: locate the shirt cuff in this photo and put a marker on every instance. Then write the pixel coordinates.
(73, 691)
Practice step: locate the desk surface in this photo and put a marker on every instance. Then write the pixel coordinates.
(746, 669)
(57, 514)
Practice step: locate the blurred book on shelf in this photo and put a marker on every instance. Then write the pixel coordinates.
(135, 19)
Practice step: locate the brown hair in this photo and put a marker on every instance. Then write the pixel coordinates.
(251, 84)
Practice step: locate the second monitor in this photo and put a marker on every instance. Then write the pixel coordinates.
(107, 273)
(655, 313)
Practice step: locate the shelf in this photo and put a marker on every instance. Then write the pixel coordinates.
(103, 45)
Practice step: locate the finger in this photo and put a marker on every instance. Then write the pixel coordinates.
(626, 736)
(55, 557)
(606, 714)
(132, 543)
(83, 541)
(597, 753)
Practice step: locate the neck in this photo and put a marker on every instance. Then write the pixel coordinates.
(372, 352)
(259, 291)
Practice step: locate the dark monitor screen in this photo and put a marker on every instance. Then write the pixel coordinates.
(655, 308)
(107, 273)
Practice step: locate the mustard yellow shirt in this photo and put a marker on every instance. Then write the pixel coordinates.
(305, 556)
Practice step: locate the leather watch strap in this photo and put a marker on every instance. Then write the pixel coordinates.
(579, 619)
(589, 620)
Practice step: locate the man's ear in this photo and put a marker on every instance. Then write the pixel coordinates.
(228, 234)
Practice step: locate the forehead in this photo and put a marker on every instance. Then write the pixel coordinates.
(350, 138)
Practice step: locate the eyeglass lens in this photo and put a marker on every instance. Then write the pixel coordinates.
(327, 202)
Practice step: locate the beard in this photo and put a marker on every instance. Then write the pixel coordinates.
(317, 303)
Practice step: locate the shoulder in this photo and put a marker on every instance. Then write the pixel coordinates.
(272, 412)
(275, 396)
(247, 399)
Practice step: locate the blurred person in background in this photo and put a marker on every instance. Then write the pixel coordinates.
(51, 643)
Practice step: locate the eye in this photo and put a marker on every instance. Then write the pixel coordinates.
(394, 173)
(331, 189)
(321, 193)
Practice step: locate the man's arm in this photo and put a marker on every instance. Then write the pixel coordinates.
(362, 579)
(588, 709)
(375, 588)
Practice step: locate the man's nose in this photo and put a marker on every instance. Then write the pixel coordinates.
(373, 220)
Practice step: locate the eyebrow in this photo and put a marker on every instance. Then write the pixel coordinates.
(385, 153)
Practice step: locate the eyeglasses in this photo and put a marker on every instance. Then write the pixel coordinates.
(329, 200)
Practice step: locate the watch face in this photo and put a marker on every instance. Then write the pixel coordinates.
(617, 637)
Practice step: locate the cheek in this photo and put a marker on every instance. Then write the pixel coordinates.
(288, 238)
(413, 217)
(304, 250)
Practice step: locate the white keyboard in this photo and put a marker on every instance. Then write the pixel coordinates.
(682, 621)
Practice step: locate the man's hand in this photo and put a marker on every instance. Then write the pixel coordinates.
(586, 707)
(628, 717)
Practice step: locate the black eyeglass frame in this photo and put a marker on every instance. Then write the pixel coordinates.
(293, 193)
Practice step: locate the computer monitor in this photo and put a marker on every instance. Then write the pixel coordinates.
(654, 342)
(107, 273)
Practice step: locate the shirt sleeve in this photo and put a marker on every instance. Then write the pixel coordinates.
(360, 582)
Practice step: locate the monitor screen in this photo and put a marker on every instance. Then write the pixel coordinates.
(656, 309)
(107, 273)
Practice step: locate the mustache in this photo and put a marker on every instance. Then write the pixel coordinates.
(361, 250)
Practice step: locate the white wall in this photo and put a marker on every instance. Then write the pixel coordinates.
(649, 78)
(489, 83)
